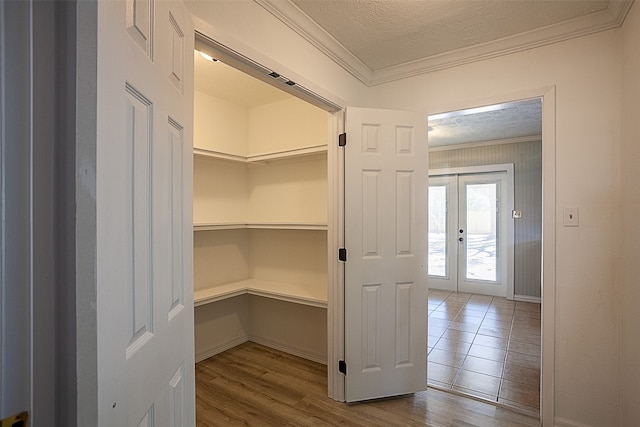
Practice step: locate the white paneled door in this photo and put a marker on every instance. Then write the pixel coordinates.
(386, 176)
(144, 221)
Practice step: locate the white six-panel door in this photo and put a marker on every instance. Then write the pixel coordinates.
(386, 291)
(144, 221)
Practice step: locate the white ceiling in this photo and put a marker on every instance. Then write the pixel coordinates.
(383, 40)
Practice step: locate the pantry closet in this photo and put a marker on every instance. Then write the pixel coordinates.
(260, 216)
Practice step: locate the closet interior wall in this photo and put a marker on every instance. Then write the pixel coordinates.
(260, 217)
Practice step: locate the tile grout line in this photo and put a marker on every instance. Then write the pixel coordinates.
(506, 353)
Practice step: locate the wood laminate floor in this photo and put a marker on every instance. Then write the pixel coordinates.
(258, 386)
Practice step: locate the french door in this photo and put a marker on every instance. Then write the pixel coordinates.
(471, 233)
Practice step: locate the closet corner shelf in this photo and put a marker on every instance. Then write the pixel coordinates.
(261, 225)
(298, 294)
(263, 158)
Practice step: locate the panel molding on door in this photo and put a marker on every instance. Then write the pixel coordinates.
(385, 233)
(145, 365)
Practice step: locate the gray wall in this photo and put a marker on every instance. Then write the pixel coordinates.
(527, 160)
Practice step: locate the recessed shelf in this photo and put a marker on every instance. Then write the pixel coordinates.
(296, 293)
(263, 158)
(261, 225)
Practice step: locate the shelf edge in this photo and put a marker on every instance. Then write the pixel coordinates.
(263, 157)
(261, 225)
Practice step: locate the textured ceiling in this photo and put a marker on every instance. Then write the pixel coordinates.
(379, 41)
(491, 123)
(383, 33)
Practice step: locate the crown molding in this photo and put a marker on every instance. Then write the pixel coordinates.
(298, 21)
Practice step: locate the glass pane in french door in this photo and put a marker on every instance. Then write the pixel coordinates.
(438, 230)
(481, 231)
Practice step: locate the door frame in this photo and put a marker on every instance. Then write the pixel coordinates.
(497, 168)
(550, 217)
(37, 249)
(254, 63)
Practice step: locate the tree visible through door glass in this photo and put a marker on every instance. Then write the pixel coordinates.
(481, 231)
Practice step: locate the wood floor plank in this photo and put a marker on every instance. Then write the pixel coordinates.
(258, 386)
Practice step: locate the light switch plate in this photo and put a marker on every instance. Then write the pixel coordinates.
(571, 217)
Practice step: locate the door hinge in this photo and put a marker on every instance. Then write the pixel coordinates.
(342, 367)
(20, 420)
(342, 140)
(342, 254)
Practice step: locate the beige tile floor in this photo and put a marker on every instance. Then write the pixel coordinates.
(484, 346)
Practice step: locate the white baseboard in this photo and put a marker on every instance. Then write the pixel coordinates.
(563, 422)
(315, 357)
(526, 298)
(221, 347)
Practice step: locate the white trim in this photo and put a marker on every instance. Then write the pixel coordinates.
(503, 167)
(493, 142)
(253, 62)
(335, 240)
(298, 21)
(222, 347)
(547, 388)
(563, 422)
(315, 357)
(527, 298)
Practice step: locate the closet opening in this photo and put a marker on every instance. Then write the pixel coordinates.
(262, 208)
(485, 253)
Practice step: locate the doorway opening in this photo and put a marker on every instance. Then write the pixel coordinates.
(262, 189)
(483, 341)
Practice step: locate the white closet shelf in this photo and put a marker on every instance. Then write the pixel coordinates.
(260, 225)
(263, 157)
(218, 155)
(299, 294)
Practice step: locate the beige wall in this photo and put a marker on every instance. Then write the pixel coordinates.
(629, 209)
(586, 75)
